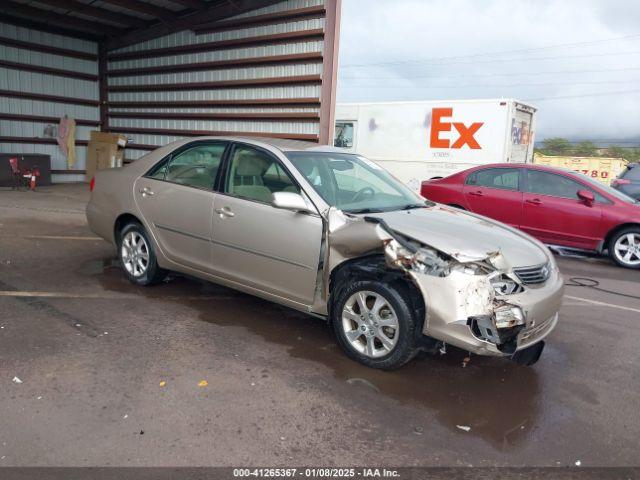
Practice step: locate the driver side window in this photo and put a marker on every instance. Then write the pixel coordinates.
(545, 183)
(256, 175)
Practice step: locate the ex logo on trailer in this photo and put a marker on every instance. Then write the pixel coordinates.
(439, 125)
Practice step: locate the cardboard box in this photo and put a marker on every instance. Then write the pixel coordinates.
(105, 150)
(106, 137)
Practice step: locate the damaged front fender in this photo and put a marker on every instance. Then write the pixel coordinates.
(461, 300)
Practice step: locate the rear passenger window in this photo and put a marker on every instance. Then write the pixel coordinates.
(195, 167)
(503, 178)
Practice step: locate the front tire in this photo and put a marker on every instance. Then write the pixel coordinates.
(137, 256)
(624, 247)
(374, 324)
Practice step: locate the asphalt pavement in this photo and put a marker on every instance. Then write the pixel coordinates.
(96, 371)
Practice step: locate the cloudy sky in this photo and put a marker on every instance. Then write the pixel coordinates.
(578, 61)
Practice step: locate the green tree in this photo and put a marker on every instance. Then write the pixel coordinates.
(617, 151)
(586, 148)
(556, 146)
(632, 154)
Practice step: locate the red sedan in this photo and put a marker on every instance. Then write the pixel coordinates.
(559, 207)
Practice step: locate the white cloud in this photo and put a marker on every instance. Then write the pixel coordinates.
(402, 49)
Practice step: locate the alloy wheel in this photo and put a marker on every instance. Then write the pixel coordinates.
(627, 249)
(370, 324)
(135, 253)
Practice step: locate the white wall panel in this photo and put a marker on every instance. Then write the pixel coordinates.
(142, 129)
(21, 81)
(21, 55)
(217, 125)
(275, 92)
(47, 109)
(49, 39)
(188, 37)
(217, 55)
(281, 7)
(14, 128)
(271, 71)
(218, 110)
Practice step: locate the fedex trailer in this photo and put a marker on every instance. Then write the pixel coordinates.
(417, 141)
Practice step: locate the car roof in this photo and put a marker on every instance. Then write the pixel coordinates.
(537, 166)
(283, 144)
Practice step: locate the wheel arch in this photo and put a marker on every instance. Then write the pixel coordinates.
(374, 267)
(613, 232)
(122, 220)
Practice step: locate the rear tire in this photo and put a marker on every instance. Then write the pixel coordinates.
(374, 324)
(137, 256)
(624, 247)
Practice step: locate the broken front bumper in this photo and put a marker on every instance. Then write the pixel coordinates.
(454, 301)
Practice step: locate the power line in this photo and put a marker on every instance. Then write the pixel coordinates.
(502, 52)
(503, 85)
(555, 57)
(574, 148)
(508, 74)
(608, 140)
(585, 95)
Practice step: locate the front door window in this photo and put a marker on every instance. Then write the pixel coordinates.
(256, 175)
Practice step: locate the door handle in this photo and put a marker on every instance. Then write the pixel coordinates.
(534, 201)
(146, 191)
(225, 212)
(477, 193)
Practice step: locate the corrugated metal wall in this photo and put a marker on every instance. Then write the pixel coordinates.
(259, 73)
(44, 76)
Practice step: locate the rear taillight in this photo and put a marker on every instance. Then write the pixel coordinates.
(620, 181)
(92, 184)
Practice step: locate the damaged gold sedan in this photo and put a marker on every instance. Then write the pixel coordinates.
(334, 235)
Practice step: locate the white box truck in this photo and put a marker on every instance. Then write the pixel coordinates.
(417, 141)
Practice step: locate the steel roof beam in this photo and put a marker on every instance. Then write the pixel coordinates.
(187, 21)
(97, 13)
(53, 18)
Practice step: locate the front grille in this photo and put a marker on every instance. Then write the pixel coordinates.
(533, 275)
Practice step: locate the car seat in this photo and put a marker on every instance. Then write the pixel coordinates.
(246, 176)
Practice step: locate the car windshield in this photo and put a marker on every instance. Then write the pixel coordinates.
(352, 183)
(610, 190)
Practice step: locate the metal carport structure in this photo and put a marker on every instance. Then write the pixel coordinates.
(159, 70)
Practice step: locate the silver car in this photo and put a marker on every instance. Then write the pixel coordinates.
(334, 235)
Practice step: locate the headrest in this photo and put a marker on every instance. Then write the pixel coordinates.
(305, 166)
(251, 165)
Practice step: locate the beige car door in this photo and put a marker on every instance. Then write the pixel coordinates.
(176, 200)
(253, 243)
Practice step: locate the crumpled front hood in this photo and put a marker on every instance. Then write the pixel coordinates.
(465, 236)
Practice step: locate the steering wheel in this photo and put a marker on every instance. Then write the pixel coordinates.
(363, 191)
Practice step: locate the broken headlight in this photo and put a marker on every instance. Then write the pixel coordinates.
(504, 285)
(508, 316)
(473, 268)
(422, 260)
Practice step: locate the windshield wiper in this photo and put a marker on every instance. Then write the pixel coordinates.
(365, 210)
(411, 206)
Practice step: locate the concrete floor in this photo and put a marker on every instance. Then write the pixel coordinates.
(91, 350)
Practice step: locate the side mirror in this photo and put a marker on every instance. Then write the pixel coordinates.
(586, 196)
(290, 201)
